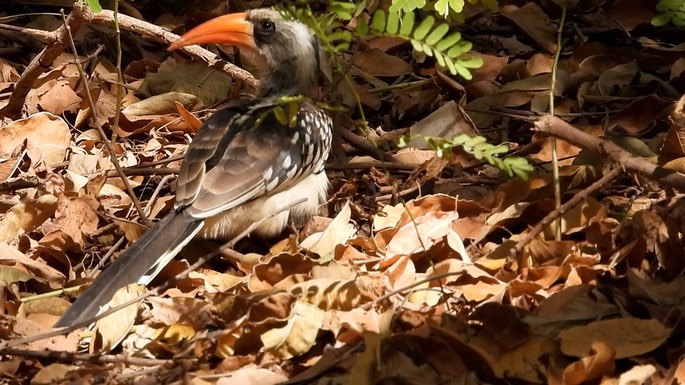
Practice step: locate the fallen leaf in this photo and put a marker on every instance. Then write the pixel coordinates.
(47, 136)
(628, 336)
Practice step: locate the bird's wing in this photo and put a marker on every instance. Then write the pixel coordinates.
(241, 153)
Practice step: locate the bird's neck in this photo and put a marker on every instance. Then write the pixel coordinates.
(292, 75)
(286, 81)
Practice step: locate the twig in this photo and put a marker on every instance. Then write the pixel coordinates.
(107, 255)
(103, 359)
(395, 194)
(561, 210)
(142, 171)
(368, 306)
(18, 184)
(45, 36)
(605, 148)
(401, 86)
(120, 76)
(372, 164)
(552, 87)
(108, 143)
(56, 45)
(362, 144)
(163, 36)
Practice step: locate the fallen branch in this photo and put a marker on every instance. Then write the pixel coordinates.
(161, 35)
(104, 359)
(559, 211)
(560, 129)
(58, 39)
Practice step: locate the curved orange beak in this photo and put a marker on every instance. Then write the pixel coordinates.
(231, 29)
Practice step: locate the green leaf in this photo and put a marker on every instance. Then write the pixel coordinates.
(342, 7)
(471, 62)
(678, 20)
(94, 5)
(450, 66)
(451, 39)
(662, 19)
(293, 112)
(463, 72)
(403, 141)
(437, 34)
(427, 49)
(397, 6)
(362, 26)
(406, 5)
(442, 7)
(457, 5)
(459, 49)
(439, 58)
(378, 22)
(343, 10)
(280, 115)
(340, 35)
(407, 24)
(393, 23)
(342, 47)
(424, 28)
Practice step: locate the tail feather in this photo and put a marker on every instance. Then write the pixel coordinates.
(140, 263)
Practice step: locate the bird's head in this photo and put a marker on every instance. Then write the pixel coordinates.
(286, 51)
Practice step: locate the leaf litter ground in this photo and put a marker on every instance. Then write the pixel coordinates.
(419, 270)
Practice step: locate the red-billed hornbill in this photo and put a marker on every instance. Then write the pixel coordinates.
(243, 165)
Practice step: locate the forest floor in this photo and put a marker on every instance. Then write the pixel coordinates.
(421, 269)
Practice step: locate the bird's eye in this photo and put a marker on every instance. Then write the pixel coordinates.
(264, 31)
(266, 26)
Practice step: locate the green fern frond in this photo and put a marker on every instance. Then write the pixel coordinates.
(481, 150)
(406, 5)
(430, 37)
(671, 11)
(443, 7)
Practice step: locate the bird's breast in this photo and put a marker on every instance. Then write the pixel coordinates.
(231, 223)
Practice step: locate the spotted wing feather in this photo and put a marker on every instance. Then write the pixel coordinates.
(249, 158)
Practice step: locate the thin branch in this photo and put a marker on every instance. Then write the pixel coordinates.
(81, 14)
(607, 149)
(108, 143)
(57, 43)
(552, 87)
(561, 210)
(18, 184)
(161, 35)
(103, 359)
(363, 144)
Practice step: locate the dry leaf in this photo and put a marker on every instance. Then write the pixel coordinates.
(298, 335)
(112, 329)
(628, 336)
(47, 136)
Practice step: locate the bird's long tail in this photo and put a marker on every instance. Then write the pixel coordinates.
(140, 263)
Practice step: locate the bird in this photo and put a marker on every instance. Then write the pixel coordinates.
(244, 163)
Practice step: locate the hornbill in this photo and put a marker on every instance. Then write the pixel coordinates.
(244, 164)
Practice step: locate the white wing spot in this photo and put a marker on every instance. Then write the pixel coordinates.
(272, 184)
(268, 173)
